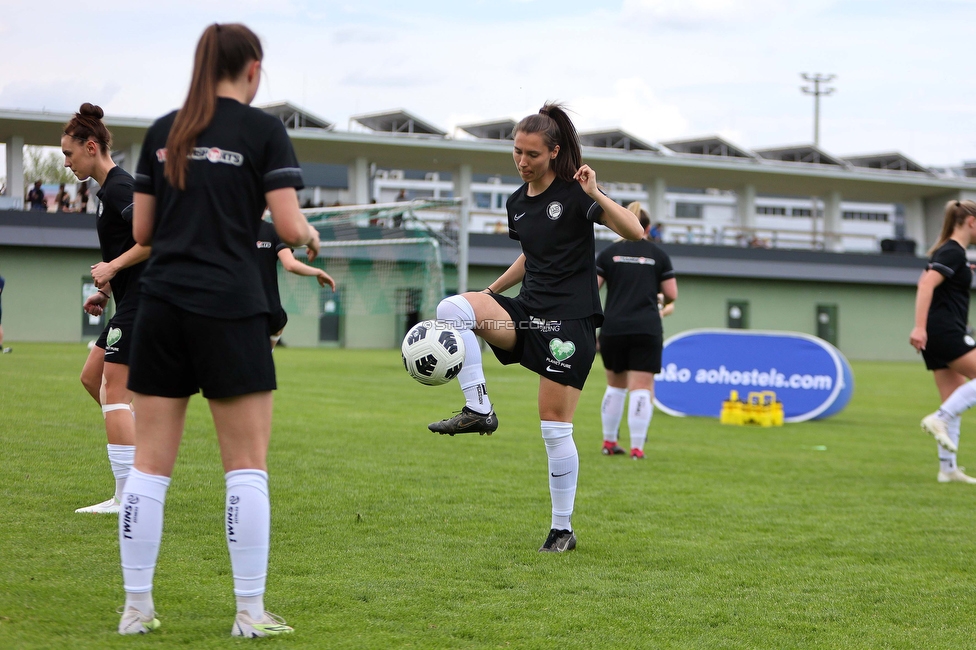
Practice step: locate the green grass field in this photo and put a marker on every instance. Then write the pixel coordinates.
(385, 535)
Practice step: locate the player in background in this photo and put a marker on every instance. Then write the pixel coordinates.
(550, 327)
(3, 350)
(203, 180)
(270, 250)
(636, 274)
(87, 147)
(941, 314)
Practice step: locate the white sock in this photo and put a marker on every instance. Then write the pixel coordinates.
(120, 457)
(563, 471)
(947, 459)
(639, 415)
(457, 312)
(961, 399)
(140, 531)
(248, 527)
(612, 411)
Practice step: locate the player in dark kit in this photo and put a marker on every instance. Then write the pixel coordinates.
(87, 148)
(550, 326)
(205, 175)
(941, 316)
(270, 250)
(635, 273)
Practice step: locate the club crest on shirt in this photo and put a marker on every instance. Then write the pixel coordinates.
(554, 210)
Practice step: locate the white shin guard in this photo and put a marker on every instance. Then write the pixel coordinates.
(141, 528)
(612, 412)
(639, 415)
(457, 312)
(563, 470)
(248, 528)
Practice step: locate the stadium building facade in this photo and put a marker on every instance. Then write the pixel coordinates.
(789, 238)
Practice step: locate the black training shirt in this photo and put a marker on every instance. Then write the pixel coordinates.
(950, 300)
(114, 226)
(555, 229)
(203, 258)
(269, 244)
(633, 271)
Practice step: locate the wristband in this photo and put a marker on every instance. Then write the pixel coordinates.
(103, 293)
(488, 289)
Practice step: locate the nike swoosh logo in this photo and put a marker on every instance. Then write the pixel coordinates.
(518, 216)
(551, 369)
(560, 475)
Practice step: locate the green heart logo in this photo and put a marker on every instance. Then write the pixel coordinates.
(114, 336)
(562, 350)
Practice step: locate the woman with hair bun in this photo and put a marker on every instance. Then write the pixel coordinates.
(87, 148)
(205, 175)
(550, 326)
(940, 333)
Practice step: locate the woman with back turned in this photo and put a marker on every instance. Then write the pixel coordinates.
(204, 177)
(941, 315)
(550, 326)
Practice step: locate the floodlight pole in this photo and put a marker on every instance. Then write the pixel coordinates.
(817, 91)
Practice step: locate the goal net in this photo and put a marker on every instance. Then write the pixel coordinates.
(386, 260)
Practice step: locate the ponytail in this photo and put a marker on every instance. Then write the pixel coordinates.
(87, 125)
(557, 129)
(222, 53)
(638, 210)
(955, 215)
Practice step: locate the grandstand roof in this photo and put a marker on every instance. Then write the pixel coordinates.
(295, 117)
(889, 161)
(706, 166)
(711, 145)
(398, 122)
(496, 130)
(616, 139)
(800, 153)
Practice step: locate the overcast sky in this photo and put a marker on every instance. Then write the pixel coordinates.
(661, 69)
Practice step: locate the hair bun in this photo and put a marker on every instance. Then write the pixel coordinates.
(90, 110)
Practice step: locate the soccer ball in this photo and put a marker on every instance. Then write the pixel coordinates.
(432, 352)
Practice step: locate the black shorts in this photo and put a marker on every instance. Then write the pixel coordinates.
(175, 353)
(277, 322)
(116, 338)
(945, 345)
(641, 352)
(562, 351)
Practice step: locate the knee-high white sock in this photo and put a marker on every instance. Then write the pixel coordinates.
(947, 459)
(120, 457)
(248, 524)
(612, 412)
(961, 399)
(639, 416)
(459, 314)
(140, 531)
(563, 471)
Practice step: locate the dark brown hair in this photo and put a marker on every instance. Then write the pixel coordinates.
(222, 53)
(556, 129)
(87, 125)
(955, 215)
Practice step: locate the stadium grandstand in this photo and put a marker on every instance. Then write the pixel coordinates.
(800, 238)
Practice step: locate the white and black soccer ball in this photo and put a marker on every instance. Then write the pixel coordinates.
(433, 352)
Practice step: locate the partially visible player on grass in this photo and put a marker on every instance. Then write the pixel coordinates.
(204, 178)
(270, 250)
(550, 327)
(3, 350)
(941, 315)
(636, 273)
(87, 148)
